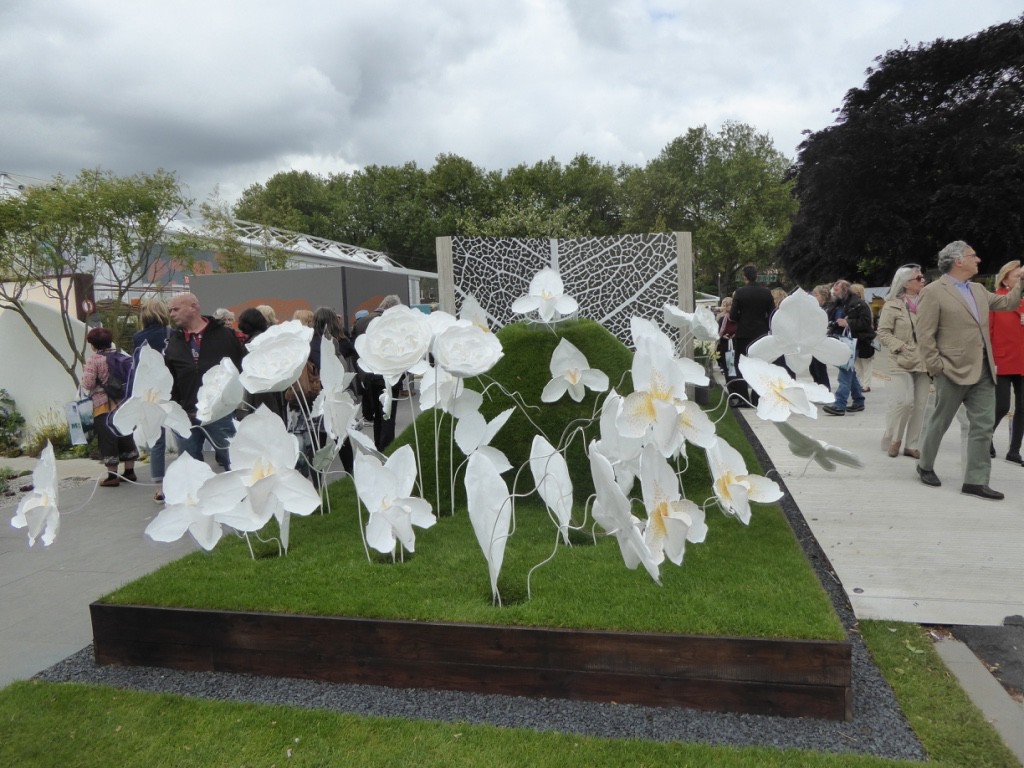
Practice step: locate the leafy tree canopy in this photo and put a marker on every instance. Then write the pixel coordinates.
(929, 150)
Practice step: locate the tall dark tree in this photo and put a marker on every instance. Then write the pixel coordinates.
(929, 150)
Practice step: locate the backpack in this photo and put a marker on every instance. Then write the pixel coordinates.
(309, 383)
(119, 372)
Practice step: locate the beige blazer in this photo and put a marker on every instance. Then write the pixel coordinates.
(951, 341)
(896, 331)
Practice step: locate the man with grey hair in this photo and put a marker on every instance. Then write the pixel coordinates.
(953, 339)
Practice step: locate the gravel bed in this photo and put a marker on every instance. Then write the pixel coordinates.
(878, 726)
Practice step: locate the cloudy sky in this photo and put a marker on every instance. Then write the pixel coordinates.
(226, 93)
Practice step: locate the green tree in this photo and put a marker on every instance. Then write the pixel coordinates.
(296, 200)
(100, 224)
(929, 150)
(729, 189)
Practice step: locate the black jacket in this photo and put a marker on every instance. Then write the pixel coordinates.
(218, 342)
(752, 306)
(858, 317)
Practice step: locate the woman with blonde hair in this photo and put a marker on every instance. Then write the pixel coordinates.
(1007, 331)
(268, 312)
(304, 316)
(908, 379)
(155, 319)
(865, 363)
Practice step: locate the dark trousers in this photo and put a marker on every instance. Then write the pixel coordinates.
(819, 373)
(1003, 386)
(113, 447)
(383, 429)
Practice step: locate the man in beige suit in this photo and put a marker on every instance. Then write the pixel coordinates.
(953, 339)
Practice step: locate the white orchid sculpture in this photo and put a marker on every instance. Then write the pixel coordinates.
(570, 372)
(700, 323)
(546, 297)
(150, 408)
(733, 487)
(334, 402)
(671, 519)
(473, 434)
(551, 475)
(37, 511)
(276, 357)
(201, 503)
(386, 491)
(780, 394)
(799, 327)
(220, 393)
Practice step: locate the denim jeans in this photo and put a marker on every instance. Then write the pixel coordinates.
(157, 457)
(218, 432)
(848, 384)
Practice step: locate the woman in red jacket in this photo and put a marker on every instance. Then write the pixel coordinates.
(1007, 330)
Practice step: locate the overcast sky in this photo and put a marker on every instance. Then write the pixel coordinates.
(226, 93)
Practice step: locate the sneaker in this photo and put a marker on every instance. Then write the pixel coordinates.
(831, 410)
(1014, 458)
(856, 407)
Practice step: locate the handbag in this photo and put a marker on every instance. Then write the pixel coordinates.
(851, 343)
(730, 361)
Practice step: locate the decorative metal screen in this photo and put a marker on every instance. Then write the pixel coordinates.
(612, 278)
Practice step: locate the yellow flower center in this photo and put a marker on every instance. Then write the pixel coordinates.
(573, 376)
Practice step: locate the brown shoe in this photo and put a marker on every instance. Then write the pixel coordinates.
(912, 453)
(894, 449)
(110, 482)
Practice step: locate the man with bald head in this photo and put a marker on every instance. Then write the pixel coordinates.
(953, 339)
(199, 344)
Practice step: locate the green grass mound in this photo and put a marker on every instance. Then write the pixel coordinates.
(745, 581)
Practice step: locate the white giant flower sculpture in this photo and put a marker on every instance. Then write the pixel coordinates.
(781, 395)
(551, 475)
(276, 357)
(701, 323)
(473, 434)
(386, 490)
(473, 313)
(37, 510)
(334, 402)
(611, 511)
(621, 451)
(799, 327)
(150, 407)
(220, 393)
(264, 455)
(546, 297)
(671, 519)
(467, 350)
(570, 372)
(490, 512)
(826, 456)
(394, 343)
(200, 502)
(695, 425)
(649, 412)
(733, 487)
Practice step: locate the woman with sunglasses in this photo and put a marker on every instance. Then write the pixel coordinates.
(1007, 331)
(908, 379)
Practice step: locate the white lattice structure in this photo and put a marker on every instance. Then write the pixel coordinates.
(612, 278)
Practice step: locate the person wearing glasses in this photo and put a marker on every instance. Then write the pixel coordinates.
(1007, 329)
(956, 346)
(908, 380)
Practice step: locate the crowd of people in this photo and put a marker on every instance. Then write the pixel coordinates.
(953, 337)
(191, 344)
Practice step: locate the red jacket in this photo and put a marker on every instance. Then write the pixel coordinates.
(1007, 339)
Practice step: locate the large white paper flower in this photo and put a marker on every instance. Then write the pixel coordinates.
(649, 412)
(220, 393)
(439, 389)
(551, 475)
(671, 519)
(264, 455)
(386, 490)
(827, 456)
(701, 323)
(570, 372)
(334, 402)
(276, 357)
(473, 434)
(695, 425)
(37, 510)
(781, 395)
(473, 313)
(467, 350)
(150, 407)
(733, 487)
(490, 512)
(611, 511)
(200, 502)
(546, 297)
(394, 342)
(799, 327)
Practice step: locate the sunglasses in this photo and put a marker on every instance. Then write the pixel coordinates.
(919, 277)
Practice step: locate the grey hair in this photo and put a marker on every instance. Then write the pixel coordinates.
(899, 282)
(389, 301)
(949, 255)
(224, 314)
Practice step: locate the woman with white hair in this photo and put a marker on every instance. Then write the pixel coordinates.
(1007, 331)
(908, 379)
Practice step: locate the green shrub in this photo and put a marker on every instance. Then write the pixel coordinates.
(51, 427)
(11, 424)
